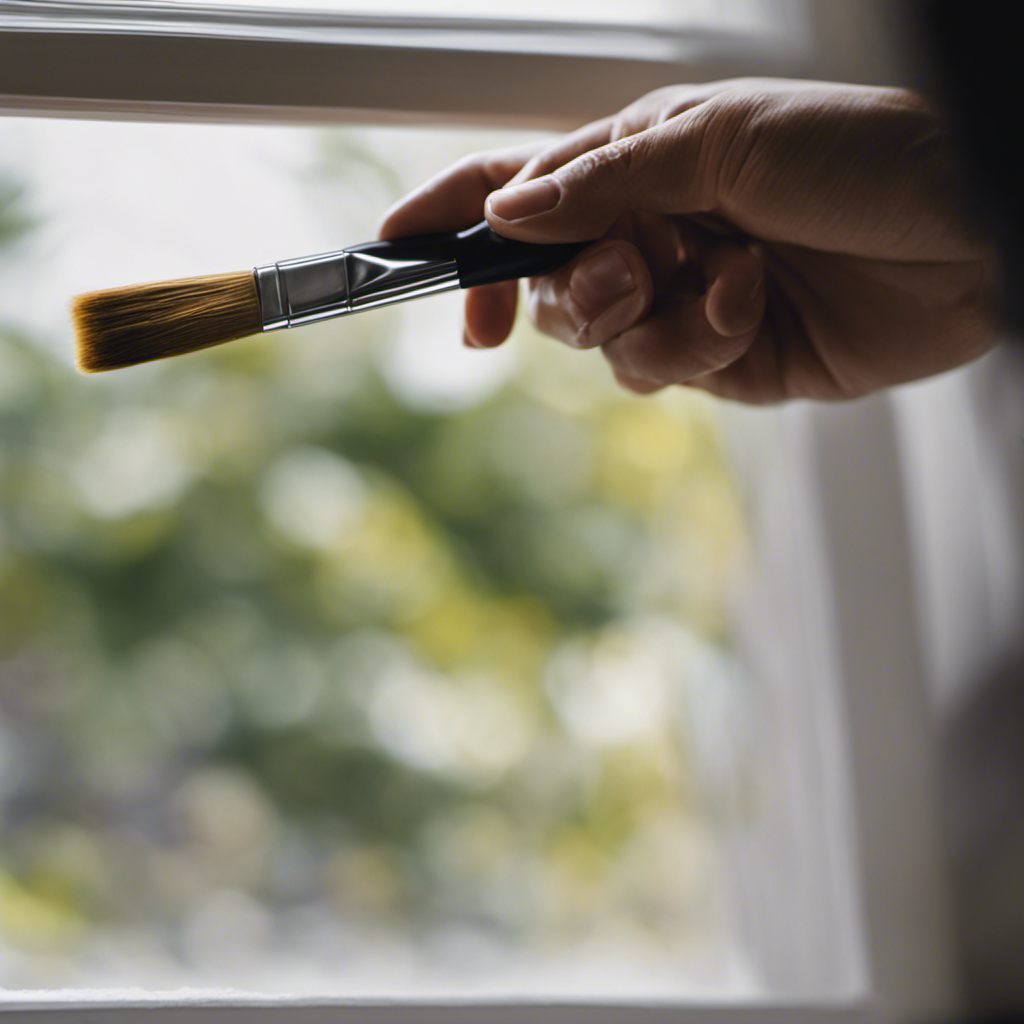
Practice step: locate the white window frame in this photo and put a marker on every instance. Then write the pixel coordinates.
(185, 62)
(843, 571)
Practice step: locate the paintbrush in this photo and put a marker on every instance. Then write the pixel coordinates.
(135, 324)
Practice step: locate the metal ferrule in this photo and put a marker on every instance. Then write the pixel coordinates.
(312, 288)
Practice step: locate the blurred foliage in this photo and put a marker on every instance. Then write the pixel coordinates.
(14, 219)
(269, 630)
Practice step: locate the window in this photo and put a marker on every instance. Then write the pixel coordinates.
(174, 60)
(523, 818)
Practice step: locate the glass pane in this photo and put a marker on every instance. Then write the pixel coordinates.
(347, 660)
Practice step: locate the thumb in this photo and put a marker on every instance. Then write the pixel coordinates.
(662, 170)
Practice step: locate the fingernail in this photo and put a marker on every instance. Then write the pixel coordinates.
(598, 282)
(526, 200)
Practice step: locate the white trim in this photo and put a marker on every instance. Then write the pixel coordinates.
(891, 737)
(833, 629)
(172, 76)
(160, 112)
(795, 866)
(177, 61)
(961, 441)
(265, 1012)
(631, 40)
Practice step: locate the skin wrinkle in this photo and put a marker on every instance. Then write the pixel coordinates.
(742, 143)
(797, 127)
(784, 318)
(703, 200)
(926, 306)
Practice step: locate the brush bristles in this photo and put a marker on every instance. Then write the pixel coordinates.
(124, 326)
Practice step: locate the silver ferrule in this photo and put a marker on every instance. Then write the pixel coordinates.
(312, 288)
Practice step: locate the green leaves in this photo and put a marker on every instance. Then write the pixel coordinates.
(258, 609)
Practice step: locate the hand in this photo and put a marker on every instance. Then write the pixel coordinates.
(760, 239)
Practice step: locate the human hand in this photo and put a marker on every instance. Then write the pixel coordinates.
(759, 239)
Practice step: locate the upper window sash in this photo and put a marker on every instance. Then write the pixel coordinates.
(648, 34)
(208, 62)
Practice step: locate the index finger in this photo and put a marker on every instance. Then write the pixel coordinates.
(454, 199)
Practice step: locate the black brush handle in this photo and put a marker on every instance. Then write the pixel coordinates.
(483, 256)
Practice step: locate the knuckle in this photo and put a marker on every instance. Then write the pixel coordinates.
(495, 166)
(482, 161)
(543, 307)
(543, 163)
(654, 356)
(641, 353)
(610, 164)
(724, 133)
(480, 167)
(625, 353)
(608, 160)
(654, 360)
(627, 154)
(624, 125)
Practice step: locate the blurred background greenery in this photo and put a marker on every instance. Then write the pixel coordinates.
(307, 681)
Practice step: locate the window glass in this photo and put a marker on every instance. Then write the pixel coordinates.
(347, 660)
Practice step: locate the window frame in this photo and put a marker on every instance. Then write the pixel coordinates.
(370, 1012)
(849, 508)
(91, 59)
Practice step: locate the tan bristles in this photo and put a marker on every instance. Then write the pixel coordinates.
(125, 326)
